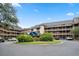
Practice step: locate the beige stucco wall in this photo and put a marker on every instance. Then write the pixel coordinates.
(34, 29)
(42, 29)
(28, 31)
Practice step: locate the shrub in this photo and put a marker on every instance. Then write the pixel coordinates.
(24, 38)
(36, 39)
(46, 37)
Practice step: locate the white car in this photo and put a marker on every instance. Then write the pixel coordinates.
(2, 40)
(69, 38)
(12, 39)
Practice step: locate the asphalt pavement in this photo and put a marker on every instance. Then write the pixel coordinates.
(67, 48)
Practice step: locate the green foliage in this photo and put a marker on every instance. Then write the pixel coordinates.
(46, 37)
(7, 15)
(41, 42)
(36, 39)
(29, 38)
(24, 38)
(75, 32)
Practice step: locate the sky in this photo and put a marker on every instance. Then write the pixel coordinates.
(30, 14)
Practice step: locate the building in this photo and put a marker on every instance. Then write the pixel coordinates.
(60, 29)
(9, 33)
(26, 30)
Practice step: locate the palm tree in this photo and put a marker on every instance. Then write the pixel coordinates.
(7, 15)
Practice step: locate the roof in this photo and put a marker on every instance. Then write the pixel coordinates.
(52, 24)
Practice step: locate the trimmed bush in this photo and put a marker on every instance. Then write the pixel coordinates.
(24, 38)
(46, 37)
(36, 39)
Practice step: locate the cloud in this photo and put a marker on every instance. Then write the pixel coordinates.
(21, 25)
(71, 5)
(16, 5)
(70, 14)
(36, 10)
(77, 12)
(49, 18)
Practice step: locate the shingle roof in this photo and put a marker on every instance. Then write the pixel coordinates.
(52, 24)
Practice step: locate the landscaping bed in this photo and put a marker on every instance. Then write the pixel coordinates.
(41, 42)
(46, 38)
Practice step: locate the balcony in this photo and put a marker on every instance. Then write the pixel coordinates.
(5, 30)
(60, 25)
(58, 29)
(3, 34)
(62, 34)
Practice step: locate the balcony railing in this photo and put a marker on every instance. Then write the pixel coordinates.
(62, 34)
(8, 34)
(58, 29)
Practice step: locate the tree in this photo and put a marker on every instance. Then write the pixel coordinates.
(7, 15)
(75, 32)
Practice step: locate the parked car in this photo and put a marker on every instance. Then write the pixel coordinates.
(34, 34)
(2, 40)
(12, 39)
(69, 38)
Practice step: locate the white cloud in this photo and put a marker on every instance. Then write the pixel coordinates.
(49, 18)
(77, 12)
(36, 10)
(16, 5)
(70, 14)
(72, 4)
(21, 25)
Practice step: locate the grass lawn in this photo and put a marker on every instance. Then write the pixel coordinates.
(41, 42)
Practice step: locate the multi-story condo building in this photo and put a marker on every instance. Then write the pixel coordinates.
(60, 29)
(9, 33)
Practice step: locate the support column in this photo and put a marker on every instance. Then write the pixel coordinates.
(35, 29)
(42, 30)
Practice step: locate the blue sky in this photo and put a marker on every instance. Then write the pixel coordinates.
(30, 14)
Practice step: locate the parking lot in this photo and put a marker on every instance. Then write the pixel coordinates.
(67, 48)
